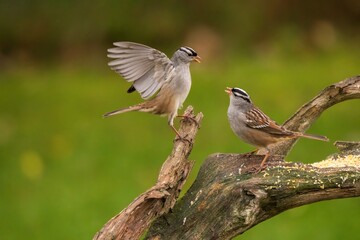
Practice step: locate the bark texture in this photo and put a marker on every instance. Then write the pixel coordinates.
(133, 221)
(309, 112)
(228, 198)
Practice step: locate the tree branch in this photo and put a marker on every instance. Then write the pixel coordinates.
(309, 112)
(132, 222)
(228, 198)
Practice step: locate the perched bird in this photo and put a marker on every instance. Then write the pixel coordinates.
(164, 83)
(251, 125)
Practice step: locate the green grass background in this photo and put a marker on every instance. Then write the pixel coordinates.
(65, 171)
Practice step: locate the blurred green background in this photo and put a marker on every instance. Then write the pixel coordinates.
(65, 171)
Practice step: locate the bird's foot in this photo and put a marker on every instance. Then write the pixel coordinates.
(251, 153)
(261, 167)
(183, 139)
(189, 118)
(257, 169)
(179, 137)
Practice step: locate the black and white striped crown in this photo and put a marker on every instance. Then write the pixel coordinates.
(241, 93)
(189, 51)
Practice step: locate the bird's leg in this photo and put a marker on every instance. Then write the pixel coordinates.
(264, 160)
(179, 137)
(262, 164)
(176, 131)
(171, 124)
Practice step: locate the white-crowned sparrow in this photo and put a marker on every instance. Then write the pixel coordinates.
(152, 73)
(253, 126)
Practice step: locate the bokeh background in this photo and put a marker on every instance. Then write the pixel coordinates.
(65, 171)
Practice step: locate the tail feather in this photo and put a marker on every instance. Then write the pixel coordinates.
(123, 110)
(316, 137)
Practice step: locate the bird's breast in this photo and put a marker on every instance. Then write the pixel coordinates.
(181, 85)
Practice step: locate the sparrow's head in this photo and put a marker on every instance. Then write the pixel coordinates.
(238, 96)
(187, 54)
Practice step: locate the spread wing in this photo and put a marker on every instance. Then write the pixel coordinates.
(256, 119)
(146, 67)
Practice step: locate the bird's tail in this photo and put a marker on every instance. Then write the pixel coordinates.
(123, 110)
(316, 137)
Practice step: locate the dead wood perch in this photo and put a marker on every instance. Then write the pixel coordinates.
(309, 112)
(134, 220)
(227, 199)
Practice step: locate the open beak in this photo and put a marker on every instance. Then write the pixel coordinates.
(228, 91)
(197, 59)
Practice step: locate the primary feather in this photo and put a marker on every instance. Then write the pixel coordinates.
(146, 67)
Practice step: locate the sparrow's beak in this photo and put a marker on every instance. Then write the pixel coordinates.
(228, 91)
(197, 59)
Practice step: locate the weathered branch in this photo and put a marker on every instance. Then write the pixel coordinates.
(227, 198)
(132, 222)
(309, 112)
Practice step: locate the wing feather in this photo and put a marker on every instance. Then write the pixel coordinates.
(130, 66)
(148, 92)
(125, 60)
(256, 119)
(146, 67)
